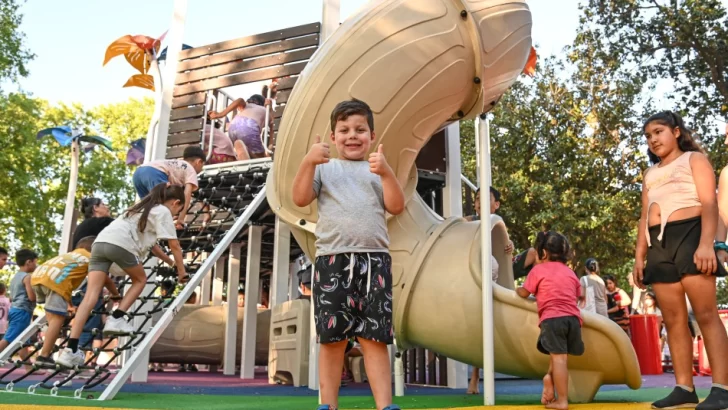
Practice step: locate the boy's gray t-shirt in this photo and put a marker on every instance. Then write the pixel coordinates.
(350, 207)
(19, 294)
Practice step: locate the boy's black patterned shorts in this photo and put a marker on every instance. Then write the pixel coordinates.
(352, 297)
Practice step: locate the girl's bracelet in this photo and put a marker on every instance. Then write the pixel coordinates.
(720, 246)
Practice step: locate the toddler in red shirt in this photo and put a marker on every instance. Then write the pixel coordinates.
(557, 291)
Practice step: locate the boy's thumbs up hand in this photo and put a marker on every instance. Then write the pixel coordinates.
(319, 152)
(378, 162)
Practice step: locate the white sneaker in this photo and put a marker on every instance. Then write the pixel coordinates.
(69, 359)
(119, 326)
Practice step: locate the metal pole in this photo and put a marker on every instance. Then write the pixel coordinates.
(281, 264)
(156, 73)
(176, 32)
(330, 18)
(250, 320)
(217, 282)
(231, 322)
(452, 204)
(476, 126)
(487, 288)
(70, 199)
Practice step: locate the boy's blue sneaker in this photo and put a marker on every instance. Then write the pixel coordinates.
(324, 407)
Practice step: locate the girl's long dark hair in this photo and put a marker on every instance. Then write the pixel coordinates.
(685, 141)
(87, 206)
(157, 196)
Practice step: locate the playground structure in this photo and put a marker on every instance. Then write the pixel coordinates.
(422, 65)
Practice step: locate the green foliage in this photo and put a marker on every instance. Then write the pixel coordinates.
(567, 153)
(13, 54)
(682, 41)
(36, 181)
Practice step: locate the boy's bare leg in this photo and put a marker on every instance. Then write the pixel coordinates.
(331, 360)
(55, 323)
(547, 396)
(473, 387)
(560, 375)
(376, 361)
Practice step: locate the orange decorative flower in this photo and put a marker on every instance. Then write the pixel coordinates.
(138, 51)
(530, 68)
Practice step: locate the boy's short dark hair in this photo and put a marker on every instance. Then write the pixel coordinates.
(23, 256)
(496, 194)
(194, 152)
(3, 289)
(3, 251)
(555, 244)
(345, 109)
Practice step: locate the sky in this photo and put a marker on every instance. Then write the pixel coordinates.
(70, 37)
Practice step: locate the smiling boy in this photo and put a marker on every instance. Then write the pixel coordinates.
(352, 283)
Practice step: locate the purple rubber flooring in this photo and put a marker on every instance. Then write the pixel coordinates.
(204, 382)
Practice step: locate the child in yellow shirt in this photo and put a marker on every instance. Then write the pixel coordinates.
(53, 283)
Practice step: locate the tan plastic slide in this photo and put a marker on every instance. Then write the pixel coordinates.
(420, 65)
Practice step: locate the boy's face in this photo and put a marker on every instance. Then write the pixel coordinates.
(353, 137)
(197, 164)
(494, 205)
(30, 265)
(3, 260)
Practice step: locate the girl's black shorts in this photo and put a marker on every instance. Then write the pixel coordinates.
(672, 258)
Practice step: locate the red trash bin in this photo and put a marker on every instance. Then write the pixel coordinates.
(646, 341)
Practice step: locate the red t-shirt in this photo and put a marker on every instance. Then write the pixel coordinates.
(557, 290)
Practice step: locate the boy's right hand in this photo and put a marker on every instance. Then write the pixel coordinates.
(638, 273)
(319, 153)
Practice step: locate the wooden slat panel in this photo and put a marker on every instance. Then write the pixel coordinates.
(276, 123)
(247, 53)
(251, 40)
(287, 83)
(187, 112)
(188, 137)
(226, 69)
(187, 100)
(186, 125)
(177, 151)
(237, 79)
(278, 113)
(282, 96)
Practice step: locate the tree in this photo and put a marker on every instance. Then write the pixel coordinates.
(13, 54)
(680, 40)
(565, 153)
(35, 184)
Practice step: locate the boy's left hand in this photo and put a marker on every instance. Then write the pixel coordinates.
(378, 163)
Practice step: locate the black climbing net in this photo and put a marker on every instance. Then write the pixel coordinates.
(222, 197)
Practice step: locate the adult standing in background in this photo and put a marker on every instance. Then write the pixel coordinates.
(96, 217)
